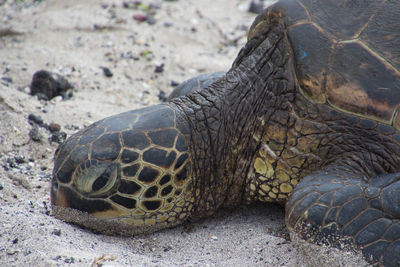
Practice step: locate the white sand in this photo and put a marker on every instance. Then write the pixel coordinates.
(61, 36)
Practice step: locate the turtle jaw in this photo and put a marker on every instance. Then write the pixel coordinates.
(57, 197)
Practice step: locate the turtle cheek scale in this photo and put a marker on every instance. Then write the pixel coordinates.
(135, 178)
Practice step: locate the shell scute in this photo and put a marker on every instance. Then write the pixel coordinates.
(342, 19)
(347, 55)
(383, 36)
(359, 82)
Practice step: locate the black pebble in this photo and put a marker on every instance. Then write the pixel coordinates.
(46, 85)
(159, 68)
(162, 96)
(35, 119)
(174, 83)
(107, 72)
(256, 7)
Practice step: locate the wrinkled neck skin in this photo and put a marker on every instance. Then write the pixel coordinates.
(225, 123)
(253, 135)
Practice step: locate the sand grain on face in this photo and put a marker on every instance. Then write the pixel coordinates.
(118, 56)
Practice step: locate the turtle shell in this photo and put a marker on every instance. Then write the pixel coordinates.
(347, 54)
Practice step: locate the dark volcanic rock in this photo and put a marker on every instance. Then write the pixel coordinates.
(46, 85)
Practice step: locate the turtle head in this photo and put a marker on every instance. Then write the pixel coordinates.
(126, 174)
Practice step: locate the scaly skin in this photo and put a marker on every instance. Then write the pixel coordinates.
(251, 136)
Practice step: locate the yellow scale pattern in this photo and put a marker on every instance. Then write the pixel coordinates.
(176, 205)
(287, 154)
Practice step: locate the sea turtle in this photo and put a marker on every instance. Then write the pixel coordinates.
(308, 116)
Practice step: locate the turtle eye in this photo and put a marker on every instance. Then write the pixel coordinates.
(105, 182)
(101, 181)
(95, 179)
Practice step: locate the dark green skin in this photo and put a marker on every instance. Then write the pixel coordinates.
(349, 176)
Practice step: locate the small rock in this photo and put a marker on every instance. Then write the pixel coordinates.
(69, 260)
(159, 68)
(173, 83)
(71, 127)
(35, 119)
(128, 5)
(57, 99)
(140, 17)
(1, 187)
(167, 248)
(12, 252)
(213, 237)
(146, 54)
(149, 56)
(162, 96)
(58, 137)
(20, 159)
(57, 258)
(168, 24)
(56, 232)
(107, 72)
(46, 85)
(151, 20)
(34, 134)
(7, 79)
(11, 163)
(54, 127)
(20, 181)
(256, 7)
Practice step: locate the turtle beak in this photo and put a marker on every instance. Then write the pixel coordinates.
(57, 196)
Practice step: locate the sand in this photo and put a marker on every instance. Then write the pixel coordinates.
(77, 39)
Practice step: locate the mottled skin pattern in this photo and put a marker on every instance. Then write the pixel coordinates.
(306, 116)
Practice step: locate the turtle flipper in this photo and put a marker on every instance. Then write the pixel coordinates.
(195, 83)
(338, 208)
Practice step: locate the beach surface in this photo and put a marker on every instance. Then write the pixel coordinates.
(118, 55)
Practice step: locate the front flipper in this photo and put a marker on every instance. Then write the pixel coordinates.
(196, 83)
(337, 207)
